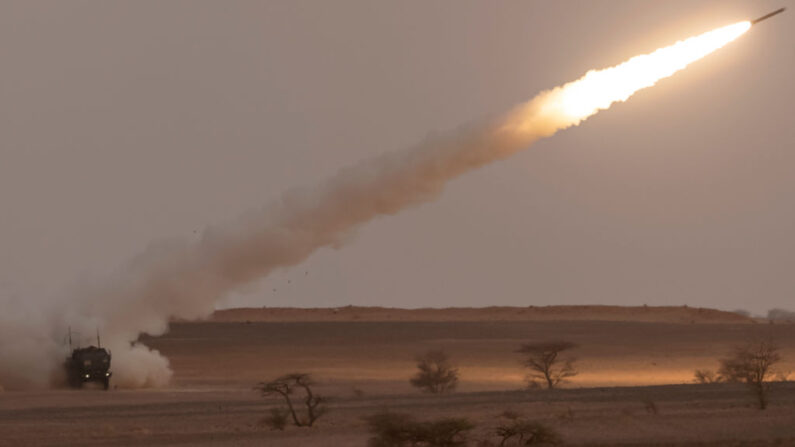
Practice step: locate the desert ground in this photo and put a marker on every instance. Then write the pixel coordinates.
(629, 360)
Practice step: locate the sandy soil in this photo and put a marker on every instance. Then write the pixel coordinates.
(364, 367)
(687, 415)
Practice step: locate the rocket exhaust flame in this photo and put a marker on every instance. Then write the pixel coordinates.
(185, 280)
(598, 89)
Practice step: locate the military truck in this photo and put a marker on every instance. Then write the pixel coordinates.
(91, 364)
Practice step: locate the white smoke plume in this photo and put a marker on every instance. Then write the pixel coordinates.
(28, 353)
(186, 279)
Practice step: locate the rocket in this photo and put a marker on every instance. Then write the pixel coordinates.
(767, 16)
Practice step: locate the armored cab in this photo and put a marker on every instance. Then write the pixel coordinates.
(91, 364)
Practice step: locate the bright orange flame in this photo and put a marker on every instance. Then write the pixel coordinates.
(570, 104)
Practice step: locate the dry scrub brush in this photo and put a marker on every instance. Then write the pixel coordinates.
(436, 374)
(517, 431)
(706, 376)
(402, 430)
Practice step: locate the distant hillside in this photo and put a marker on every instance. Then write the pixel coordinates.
(664, 314)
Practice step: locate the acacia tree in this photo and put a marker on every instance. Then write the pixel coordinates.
(752, 364)
(285, 386)
(436, 373)
(545, 362)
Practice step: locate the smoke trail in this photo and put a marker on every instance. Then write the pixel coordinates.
(181, 279)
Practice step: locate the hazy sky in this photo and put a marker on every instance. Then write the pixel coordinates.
(127, 122)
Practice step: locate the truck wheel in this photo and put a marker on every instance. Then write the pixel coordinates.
(106, 383)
